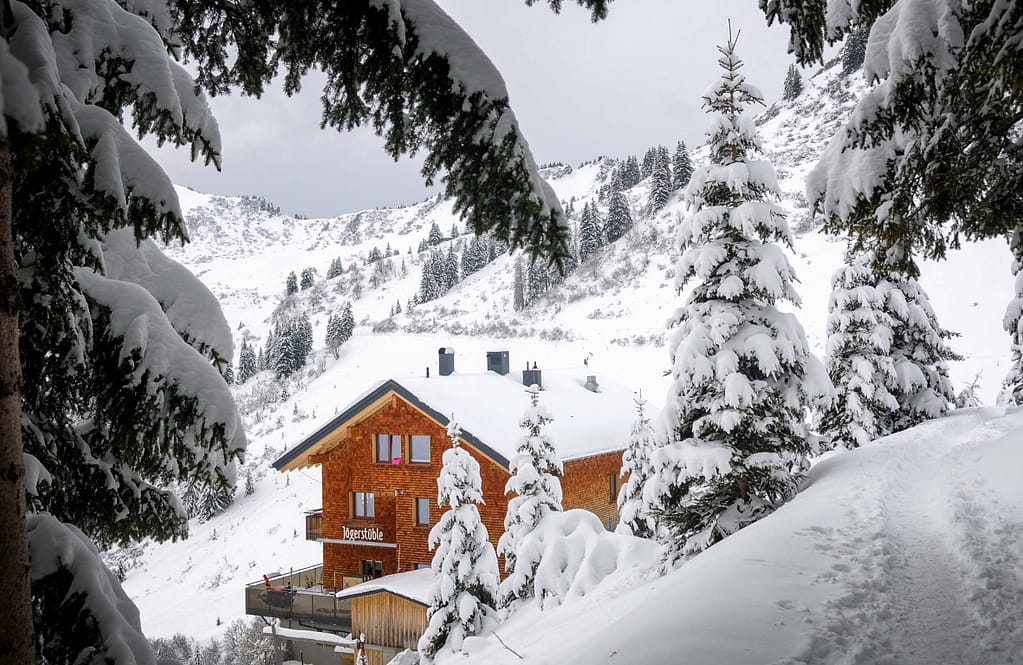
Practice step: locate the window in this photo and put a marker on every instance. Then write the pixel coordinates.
(420, 566)
(612, 487)
(388, 448)
(373, 569)
(422, 511)
(362, 504)
(419, 448)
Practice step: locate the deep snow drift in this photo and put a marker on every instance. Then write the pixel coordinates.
(908, 551)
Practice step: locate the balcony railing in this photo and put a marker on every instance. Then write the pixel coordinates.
(314, 524)
(299, 596)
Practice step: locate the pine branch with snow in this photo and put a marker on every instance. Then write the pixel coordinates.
(1012, 322)
(462, 599)
(743, 375)
(534, 480)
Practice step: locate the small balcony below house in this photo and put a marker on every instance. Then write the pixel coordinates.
(303, 598)
(314, 524)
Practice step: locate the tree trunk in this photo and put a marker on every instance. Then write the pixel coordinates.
(16, 633)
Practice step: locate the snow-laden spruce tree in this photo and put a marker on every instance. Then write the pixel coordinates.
(634, 518)
(619, 218)
(591, 235)
(743, 376)
(121, 348)
(247, 364)
(534, 480)
(793, 85)
(660, 180)
(919, 353)
(464, 592)
(681, 167)
(1012, 322)
(859, 356)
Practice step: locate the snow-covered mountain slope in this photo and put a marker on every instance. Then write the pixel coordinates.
(611, 312)
(907, 551)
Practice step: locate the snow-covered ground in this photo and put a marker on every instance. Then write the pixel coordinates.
(906, 552)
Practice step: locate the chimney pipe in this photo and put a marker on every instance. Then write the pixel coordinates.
(532, 376)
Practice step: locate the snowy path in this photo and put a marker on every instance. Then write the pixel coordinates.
(906, 552)
(917, 588)
(930, 618)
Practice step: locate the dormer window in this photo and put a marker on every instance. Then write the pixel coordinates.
(388, 448)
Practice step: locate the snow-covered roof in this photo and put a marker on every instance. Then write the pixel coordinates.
(488, 407)
(413, 585)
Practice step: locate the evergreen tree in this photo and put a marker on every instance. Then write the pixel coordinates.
(450, 268)
(919, 353)
(347, 322)
(519, 288)
(302, 335)
(534, 480)
(335, 268)
(737, 445)
(630, 173)
(308, 277)
(282, 353)
(538, 280)
(793, 86)
(854, 51)
(247, 362)
(681, 167)
(462, 597)
(435, 237)
(660, 181)
(590, 232)
(250, 485)
(98, 416)
(375, 255)
(397, 307)
(291, 284)
(454, 230)
(649, 159)
(619, 218)
(859, 360)
(634, 516)
(229, 375)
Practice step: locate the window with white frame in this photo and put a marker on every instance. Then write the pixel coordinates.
(362, 504)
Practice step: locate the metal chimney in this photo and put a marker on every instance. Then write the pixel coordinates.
(531, 376)
(446, 360)
(497, 361)
(591, 384)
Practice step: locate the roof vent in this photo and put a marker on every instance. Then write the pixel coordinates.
(497, 361)
(532, 376)
(446, 360)
(591, 384)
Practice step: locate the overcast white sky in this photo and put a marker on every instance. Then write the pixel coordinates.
(579, 90)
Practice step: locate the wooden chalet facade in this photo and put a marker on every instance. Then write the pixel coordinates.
(381, 457)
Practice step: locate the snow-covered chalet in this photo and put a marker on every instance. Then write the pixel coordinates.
(381, 456)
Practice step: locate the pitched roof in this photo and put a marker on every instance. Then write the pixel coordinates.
(488, 407)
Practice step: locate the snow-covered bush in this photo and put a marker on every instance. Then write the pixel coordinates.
(575, 554)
